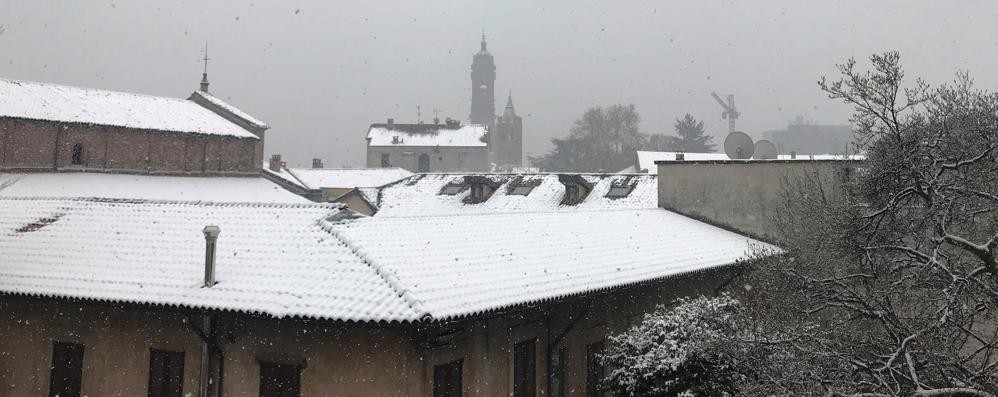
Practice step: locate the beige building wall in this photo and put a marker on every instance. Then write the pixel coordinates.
(442, 159)
(742, 195)
(343, 359)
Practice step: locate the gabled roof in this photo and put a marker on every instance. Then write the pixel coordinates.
(325, 178)
(420, 194)
(51, 102)
(411, 135)
(253, 121)
(319, 261)
(146, 187)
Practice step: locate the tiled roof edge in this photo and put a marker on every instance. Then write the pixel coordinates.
(189, 202)
(393, 282)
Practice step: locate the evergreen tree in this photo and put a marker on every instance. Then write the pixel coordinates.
(603, 139)
(692, 137)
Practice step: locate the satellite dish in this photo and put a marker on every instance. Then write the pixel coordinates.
(738, 146)
(764, 150)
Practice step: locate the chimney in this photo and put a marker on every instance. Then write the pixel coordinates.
(391, 123)
(316, 163)
(680, 156)
(276, 163)
(793, 155)
(210, 237)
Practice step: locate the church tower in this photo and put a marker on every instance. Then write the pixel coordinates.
(483, 99)
(507, 140)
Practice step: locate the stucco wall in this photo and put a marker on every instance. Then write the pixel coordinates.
(337, 358)
(442, 159)
(29, 144)
(743, 195)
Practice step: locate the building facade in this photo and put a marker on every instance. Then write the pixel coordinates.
(448, 147)
(90, 129)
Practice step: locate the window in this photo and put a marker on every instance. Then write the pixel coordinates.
(594, 369)
(556, 379)
(450, 190)
(521, 190)
(386, 160)
(67, 370)
(525, 369)
(280, 380)
(77, 158)
(447, 379)
(424, 163)
(619, 191)
(478, 193)
(166, 373)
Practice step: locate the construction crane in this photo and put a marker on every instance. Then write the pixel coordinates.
(729, 110)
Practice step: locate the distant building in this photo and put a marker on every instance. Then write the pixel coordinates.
(54, 127)
(506, 141)
(328, 184)
(506, 130)
(804, 138)
(448, 147)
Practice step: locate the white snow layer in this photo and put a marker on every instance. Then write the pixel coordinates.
(297, 260)
(150, 187)
(51, 102)
(319, 178)
(232, 109)
(464, 136)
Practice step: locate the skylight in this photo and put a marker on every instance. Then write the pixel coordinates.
(451, 190)
(619, 191)
(521, 190)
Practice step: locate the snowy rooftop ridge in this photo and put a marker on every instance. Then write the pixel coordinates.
(318, 261)
(52, 102)
(410, 135)
(423, 194)
(320, 178)
(231, 109)
(133, 186)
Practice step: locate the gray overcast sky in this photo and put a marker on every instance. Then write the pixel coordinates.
(320, 72)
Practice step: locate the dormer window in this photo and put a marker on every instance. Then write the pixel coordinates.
(481, 188)
(521, 190)
(616, 192)
(452, 189)
(576, 188)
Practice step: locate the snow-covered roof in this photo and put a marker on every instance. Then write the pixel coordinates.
(231, 109)
(646, 160)
(154, 187)
(320, 178)
(52, 102)
(420, 194)
(310, 260)
(411, 135)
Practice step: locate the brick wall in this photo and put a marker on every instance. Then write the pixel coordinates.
(28, 144)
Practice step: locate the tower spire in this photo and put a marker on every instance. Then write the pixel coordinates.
(204, 76)
(509, 99)
(483, 39)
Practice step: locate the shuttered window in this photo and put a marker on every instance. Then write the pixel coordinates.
(166, 373)
(280, 380)
(66, 374)
(447, 379)
(525, 368)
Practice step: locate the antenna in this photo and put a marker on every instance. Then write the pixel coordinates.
(738, 146)
(764, 150)
(205, 59)
(436, 116)
(419, 115)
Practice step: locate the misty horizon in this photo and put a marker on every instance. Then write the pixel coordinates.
(320, 74)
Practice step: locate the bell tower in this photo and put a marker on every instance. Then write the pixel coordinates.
(483, 78)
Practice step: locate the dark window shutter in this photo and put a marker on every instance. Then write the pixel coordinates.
(66, 375)
(525, 369)
(166, 373)
(447, 379)
(280, 380)
(594, 370)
